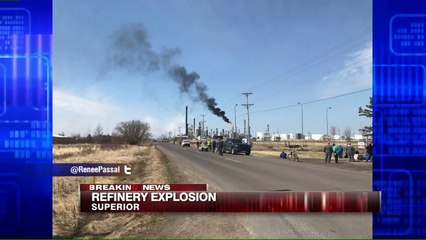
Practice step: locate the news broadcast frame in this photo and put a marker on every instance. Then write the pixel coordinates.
(27, 172)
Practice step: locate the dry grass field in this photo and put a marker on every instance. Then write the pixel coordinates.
(149, 166)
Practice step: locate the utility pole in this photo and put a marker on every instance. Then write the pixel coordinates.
(247, 105)
(186, 121)
(235, 121)
(301, 104)
(202, 123)
(179, 130)
(326, 118)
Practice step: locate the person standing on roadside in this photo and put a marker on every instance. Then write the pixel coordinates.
(336, 153)
(369, 150)
(328, 150)
(340, 151)
(214, 145)
(350, 151)
(209, 144)
(220, 147)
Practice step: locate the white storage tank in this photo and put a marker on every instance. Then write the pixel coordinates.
(317, 136)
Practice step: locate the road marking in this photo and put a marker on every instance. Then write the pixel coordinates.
(232, 160)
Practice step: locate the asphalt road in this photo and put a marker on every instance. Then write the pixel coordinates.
(249, 173)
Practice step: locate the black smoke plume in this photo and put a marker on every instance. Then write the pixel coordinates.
(187, 80)
(132, 51)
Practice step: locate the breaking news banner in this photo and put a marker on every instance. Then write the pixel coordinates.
(143, 187)
(125, 198)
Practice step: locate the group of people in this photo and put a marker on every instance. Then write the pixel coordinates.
(337, 152)
(215, 145)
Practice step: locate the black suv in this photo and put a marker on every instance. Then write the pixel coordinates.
(235, 146)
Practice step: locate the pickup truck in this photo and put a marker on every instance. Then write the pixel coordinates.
(235, 146)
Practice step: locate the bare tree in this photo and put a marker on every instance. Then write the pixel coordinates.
(98, 134)
(347, 132)
(98, 131)
(333, 130)
(133, 131)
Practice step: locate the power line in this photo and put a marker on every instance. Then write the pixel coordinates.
(294, 86)
(313, 101)
(308, 102)
(320, 58)
(356, 61)
(341, 95)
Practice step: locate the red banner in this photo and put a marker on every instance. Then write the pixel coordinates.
(170, 201)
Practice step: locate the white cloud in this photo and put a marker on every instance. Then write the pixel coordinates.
(67, 101)
(74, 113)
(159, 127)
(81, 113)
(356, 74)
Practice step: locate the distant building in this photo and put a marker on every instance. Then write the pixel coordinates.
(339, 137)
(276, 137)
(317, 137)
(358, 137)
(263, 136)
(283, 136)
(266, 136)
(58, 136)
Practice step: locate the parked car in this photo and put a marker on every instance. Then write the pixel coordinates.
(203, 146)
(235, 146)
(186, 143)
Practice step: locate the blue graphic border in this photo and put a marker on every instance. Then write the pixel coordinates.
(26, 120)
(399, 114)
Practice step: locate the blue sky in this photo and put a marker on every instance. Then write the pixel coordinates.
(283, 51)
